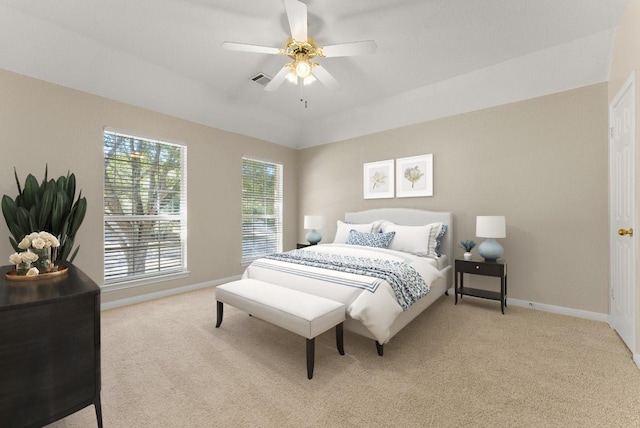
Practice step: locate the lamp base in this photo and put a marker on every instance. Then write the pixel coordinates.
(313, 237)
(490, 250)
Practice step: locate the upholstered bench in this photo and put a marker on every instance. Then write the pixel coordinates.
(301, 313)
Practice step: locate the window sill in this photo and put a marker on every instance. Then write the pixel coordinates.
(146, 281)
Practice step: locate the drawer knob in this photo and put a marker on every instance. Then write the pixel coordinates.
(477, 267)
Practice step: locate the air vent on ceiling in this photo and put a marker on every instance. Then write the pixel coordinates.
(261, 78)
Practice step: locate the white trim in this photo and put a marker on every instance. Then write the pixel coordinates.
(578, 313)
(165, 293)
(152, 279)
(147, 137)
(636, 359)
(629, 86)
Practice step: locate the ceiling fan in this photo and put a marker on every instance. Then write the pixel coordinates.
(302, 49)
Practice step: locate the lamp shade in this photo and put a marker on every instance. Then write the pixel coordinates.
(313, 222)
(491, 226)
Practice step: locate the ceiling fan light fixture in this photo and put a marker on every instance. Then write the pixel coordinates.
(302, 50)
(291, 77)
(303, 68)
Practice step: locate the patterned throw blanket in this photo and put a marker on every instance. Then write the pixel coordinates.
(405, 281)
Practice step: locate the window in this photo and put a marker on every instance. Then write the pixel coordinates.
(145, 208)
(261, 208)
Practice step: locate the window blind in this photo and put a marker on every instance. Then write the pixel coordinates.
(261, 208)
(145, 208)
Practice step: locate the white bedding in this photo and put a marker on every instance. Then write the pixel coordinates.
(375, 310)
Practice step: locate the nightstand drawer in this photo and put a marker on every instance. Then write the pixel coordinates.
(479, 268)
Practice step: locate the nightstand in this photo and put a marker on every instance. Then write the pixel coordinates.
(496, 269)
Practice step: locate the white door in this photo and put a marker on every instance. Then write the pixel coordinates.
(622, 212)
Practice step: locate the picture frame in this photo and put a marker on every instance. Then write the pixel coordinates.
(378, 179)
(414, 176)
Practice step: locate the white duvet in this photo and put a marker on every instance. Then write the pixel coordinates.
(375, 310)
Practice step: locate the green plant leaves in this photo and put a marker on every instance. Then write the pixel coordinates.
(31, 189)
(59, 212)
(71, 186)
(48, 206)
(9, 210)
(78, 211)
(22, 219)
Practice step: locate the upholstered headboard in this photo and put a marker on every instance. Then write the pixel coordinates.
(409, 217)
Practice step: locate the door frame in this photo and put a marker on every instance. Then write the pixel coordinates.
(629, 85)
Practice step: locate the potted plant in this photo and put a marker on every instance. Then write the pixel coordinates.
(49, 207)
(468, 246)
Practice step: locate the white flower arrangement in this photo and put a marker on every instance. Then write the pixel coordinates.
(24, 257)
(36, 242)
(39, 240)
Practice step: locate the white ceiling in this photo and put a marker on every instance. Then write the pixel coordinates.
(435, 57)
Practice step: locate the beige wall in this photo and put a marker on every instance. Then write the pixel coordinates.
(43, 123)
(542, 163)
(625, 60)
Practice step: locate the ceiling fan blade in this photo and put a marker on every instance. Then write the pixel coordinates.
(297, 15)
(325, 78)
(278, 79)
(350, 49)
(242, 47)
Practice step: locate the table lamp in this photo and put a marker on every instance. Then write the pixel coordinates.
(313, 222)
(490, 227)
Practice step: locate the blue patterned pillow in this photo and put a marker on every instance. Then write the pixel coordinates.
(378, 240)
(443, 230)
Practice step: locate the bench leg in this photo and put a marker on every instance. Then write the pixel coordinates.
(311, 350)
(219, 311)
(339, 338)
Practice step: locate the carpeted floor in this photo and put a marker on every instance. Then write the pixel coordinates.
(164, 364)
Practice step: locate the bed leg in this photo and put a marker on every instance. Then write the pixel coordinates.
(340, 338)
(379, 348)
(219, 310)
(310, 356)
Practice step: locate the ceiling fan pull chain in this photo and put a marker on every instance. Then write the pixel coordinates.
(300, 89)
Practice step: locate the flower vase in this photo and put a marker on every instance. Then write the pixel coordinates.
(43, 264)
(22, 268)
(467, 255)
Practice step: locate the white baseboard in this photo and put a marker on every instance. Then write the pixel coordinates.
(578, 313)
(636, 359)
(164, 293)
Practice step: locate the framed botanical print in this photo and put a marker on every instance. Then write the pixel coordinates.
(414, 176)
(378, 179)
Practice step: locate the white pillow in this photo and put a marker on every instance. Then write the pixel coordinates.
(342, 233)
(379, 225)
(418, 240)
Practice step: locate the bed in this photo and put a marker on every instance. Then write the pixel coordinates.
(375, 307)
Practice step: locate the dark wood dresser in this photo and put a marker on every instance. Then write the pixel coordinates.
(49, 348)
